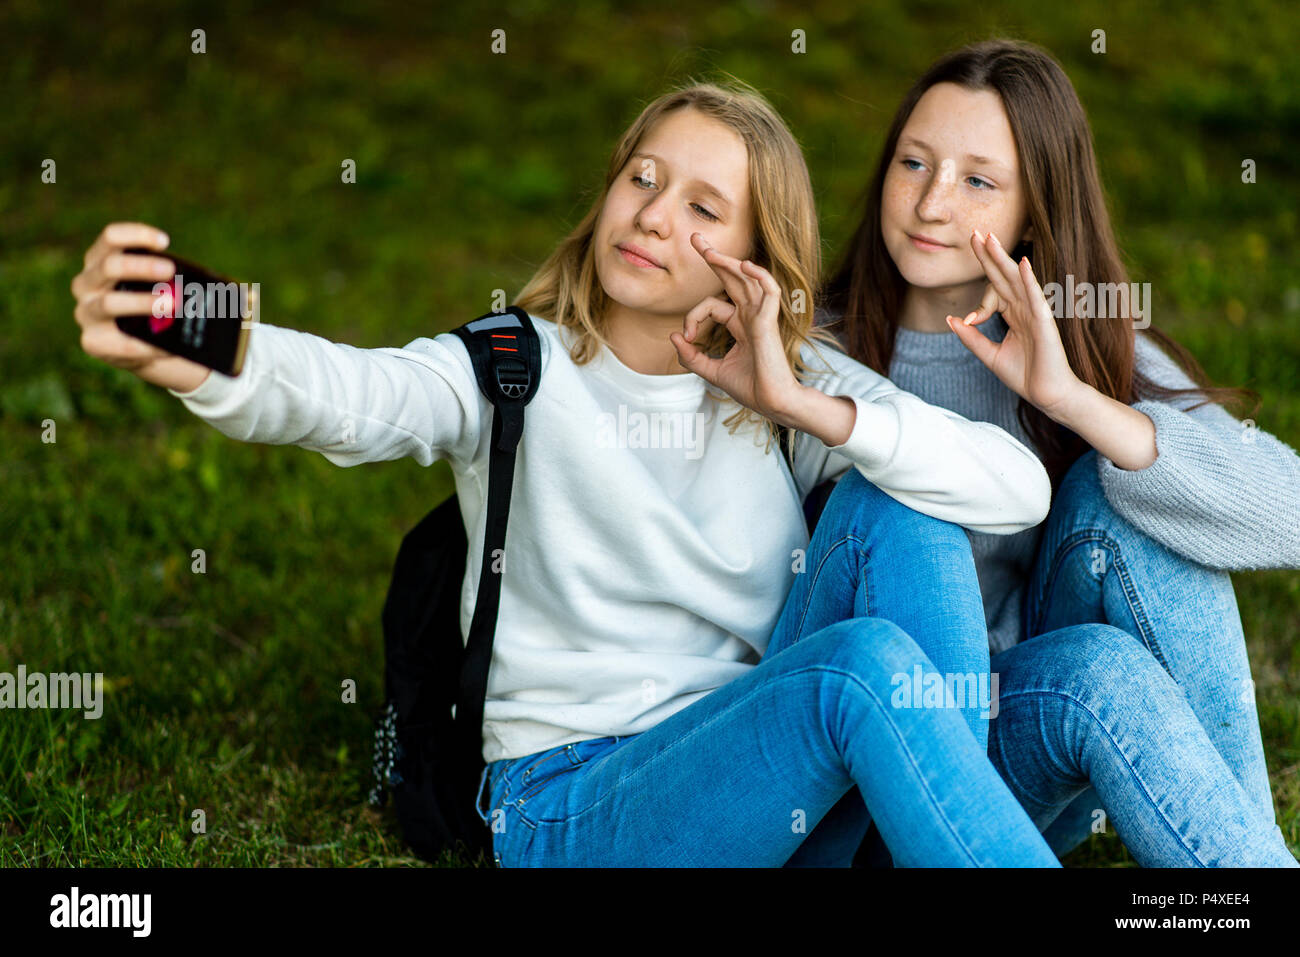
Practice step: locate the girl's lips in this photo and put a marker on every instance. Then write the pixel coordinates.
(928, 247)
(636, 260)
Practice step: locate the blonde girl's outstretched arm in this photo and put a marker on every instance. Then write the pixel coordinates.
(352, 405)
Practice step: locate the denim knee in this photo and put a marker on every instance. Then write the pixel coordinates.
(874, 651)
(1094, 663)
(857, 504)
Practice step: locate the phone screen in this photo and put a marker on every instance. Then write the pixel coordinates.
(197, 314)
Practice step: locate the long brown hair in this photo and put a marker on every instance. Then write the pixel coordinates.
(787, 240)
(1072, 231)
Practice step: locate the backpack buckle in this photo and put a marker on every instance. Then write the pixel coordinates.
(512, 377)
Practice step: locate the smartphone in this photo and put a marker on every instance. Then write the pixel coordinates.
(198, 314)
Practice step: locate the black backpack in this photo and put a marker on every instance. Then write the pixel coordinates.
(428, 759)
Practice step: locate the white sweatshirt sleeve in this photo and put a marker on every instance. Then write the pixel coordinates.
(973, 474)
(349, 404)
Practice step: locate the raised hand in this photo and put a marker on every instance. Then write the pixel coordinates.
(99, 304)
(1031, 359)
(755, 371)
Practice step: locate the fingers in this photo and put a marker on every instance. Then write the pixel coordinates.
(1002, 260)
(116, 266)
(105, 263)
(104, 306)
(988, 305)
(120, 235)
(127, 303)
(694, 359)
(748, 284)
(974, 340)
(707, 313)
(1042, 311)
(105, 341)
(762, 277)
(987, 250)
(742, 288)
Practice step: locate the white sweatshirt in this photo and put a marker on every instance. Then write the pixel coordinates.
(649, 551)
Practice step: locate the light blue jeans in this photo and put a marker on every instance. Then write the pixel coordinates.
(819, 731)
(741, 776)
(1136, 674)
(1093, 566)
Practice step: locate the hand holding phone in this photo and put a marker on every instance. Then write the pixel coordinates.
(176, 351)
(196, 314)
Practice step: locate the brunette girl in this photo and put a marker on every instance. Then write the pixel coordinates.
(987, 190)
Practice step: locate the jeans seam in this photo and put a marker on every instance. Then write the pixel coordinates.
(848, 537)
(1074, 540)
(701, 728)
(1133, 775)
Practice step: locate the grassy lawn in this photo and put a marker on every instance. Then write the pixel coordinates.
(224, 688)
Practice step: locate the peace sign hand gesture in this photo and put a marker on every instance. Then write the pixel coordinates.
(1030, 360)
(755, 371)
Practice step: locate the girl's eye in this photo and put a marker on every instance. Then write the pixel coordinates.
(917, 162)
(704, 213)
(978, 180)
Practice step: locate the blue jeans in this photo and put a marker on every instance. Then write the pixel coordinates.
(741, 776)
(1093, 566)
(1132, 670)
(1087, 708)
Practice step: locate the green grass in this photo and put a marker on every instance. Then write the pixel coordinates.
(226, 686)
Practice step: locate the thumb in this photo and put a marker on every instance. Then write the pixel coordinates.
(692, 357)
(974, 340)
(988, 305)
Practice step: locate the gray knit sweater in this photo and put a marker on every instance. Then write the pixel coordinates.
(1221, 493)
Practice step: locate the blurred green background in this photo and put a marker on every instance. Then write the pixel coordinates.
(225, 687)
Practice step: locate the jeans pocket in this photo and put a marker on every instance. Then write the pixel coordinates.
(546, 769)
(542, 764)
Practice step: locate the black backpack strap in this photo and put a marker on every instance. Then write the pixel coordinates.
(507, 357)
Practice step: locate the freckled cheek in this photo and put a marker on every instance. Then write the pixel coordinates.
(985, 213)
(899, 197)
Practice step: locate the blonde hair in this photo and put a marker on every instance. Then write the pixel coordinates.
(787, 241)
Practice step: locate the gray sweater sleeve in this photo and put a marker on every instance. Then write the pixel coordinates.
(1222, 493)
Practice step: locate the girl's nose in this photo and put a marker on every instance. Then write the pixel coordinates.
(652, 218)
(933, 205)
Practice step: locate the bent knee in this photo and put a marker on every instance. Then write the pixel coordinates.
(1100, 658)
(873, 651)
(857, 502)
